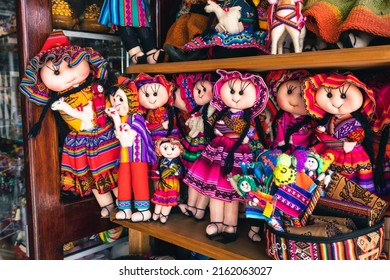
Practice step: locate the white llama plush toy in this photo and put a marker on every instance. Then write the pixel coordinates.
(228, 21)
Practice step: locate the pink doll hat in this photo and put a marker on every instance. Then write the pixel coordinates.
(257, 80)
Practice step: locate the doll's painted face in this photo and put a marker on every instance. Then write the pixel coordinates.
(311, 164)
(169, 150)
(153, 96)
(119, 101)
(62, 77)
(339, 101)
(289, 98)
(203, 91)
(238, 94)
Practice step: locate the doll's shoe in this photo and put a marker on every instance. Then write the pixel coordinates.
(186, 212)
(140, 59)
(123, 214)
(217, 232)
(155, 216)
(163, 218)
(228, 237)
(153, 59)
(254, 236)
(105, 210)
(175, 54)
(199, 218)
(141, 216)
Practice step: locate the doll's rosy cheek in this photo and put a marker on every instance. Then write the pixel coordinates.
(52, 81)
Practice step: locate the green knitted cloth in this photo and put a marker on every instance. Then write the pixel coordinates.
(329, 18)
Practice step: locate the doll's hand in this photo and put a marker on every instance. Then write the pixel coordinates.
(113, 113)
(61, 105)
(246, 140)
(165, 124)
(321, 128)
(252, 203)
(281, 143)
(348, 146)
(126, 135)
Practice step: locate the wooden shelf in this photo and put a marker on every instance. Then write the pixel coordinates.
(348, 59)
(190, 234)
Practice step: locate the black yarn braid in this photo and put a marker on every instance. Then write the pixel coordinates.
(171, 118)
(229, 161)
(380, 185)
(292, 130)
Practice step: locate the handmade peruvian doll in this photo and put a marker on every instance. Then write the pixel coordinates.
(156, 100)
(238, 98)
(132, 19)
(345, 106)
(137, 151)
(195, 92)
(235, 34)
(292, 127)
(170, 170)
(63, 77)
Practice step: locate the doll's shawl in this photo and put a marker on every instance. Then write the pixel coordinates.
(313, 83)
(382, 112)
(33, 87)
(261, 90)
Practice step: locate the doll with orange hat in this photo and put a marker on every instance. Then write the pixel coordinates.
(155, 94)
(292, 127)
(64, 78)
(137, 151)
(345, 106)
(239, 98)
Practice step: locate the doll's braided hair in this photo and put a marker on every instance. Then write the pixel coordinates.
(379, 178)
(171, 118)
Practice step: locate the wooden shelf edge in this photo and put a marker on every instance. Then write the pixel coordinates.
(190, 234)
(348, 59)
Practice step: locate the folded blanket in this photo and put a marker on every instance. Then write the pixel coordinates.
(329, 18)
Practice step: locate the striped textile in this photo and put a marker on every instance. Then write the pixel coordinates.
(125, 13)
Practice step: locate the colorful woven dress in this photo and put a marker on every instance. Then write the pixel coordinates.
(249, 38)
(125, 13)
(356, 164)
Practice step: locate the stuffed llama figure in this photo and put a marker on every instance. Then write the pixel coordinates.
(228, 21)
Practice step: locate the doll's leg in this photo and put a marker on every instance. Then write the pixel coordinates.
(140, 185)
(165, 210)
(124, 192)
(131, 43)
(105, 201)
(202, 201)
(254, 231)
(230, 220)
(216, 218)
(157, 211)
(148, 42)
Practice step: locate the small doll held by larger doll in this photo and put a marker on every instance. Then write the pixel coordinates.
(239, 98)
(137, 151)
(132, 19)
(170, 170)
(345, 106)
(292, 126)
(156, 100)
(62, 77)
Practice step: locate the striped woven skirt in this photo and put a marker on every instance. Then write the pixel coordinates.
(89, 161)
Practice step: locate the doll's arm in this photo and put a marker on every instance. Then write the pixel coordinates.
(86, 115)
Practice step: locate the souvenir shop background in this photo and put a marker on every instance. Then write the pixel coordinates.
(39, 220)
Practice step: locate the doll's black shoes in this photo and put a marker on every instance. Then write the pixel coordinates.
(163, 218)
(175, 54)
(138, 59)
(156, 57)
(254, 236)
(141, 216)
(198, 217)
(217, 232)
(105, 210)
(155, 216)
(228, 237)
(184, 209)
